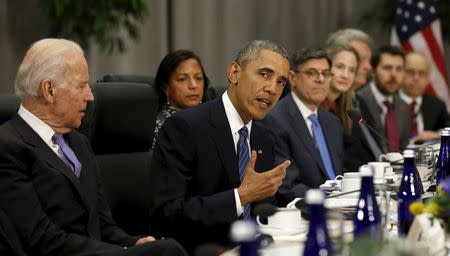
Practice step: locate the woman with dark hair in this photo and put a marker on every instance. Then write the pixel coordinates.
(181, 83)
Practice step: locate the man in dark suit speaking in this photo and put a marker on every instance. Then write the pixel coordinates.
(49, 182)
(213, 162)
(307, 134)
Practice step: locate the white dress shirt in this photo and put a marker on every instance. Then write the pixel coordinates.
(408, 100)
(236, 123)
(41, 128)
(306, 112)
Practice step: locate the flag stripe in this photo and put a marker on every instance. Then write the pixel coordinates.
(434, 48)
(407, 46)
(419, 44)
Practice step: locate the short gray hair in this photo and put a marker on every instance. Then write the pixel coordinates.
(45, 59)
(348, 35)
(251, 50)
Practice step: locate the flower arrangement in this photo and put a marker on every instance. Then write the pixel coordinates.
(438, 206)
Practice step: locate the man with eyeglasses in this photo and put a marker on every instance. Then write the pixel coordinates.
(307, 134)
(428, 113)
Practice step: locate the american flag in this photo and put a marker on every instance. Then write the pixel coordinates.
(418, 28)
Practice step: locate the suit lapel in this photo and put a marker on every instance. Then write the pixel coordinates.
(374, 110)
(333, 148)
(263, 147)
(303, 134)
(224, 140)
(46, 154)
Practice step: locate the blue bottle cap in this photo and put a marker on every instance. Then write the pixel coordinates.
(366, 171)
(445, 132)
(409, 153)
(243, 231)
(315, 196)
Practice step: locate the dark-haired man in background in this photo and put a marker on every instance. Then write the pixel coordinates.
(306, 133)
(381, 108)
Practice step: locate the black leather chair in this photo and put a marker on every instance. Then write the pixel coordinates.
(9, 105)
(130, 79)
(120, 125)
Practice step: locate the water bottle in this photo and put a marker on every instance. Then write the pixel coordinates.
(317, 242)
(244, 233)
(367, 219)
(410, 191)
(443, 162)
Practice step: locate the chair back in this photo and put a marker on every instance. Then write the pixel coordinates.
(120, 125)
(9, 105)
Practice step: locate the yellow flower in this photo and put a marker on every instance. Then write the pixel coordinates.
(416, 208)
(439, 190)
(432, 207)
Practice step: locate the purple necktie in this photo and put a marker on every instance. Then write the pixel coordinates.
(68, 156)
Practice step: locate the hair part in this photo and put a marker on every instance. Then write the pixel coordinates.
(306, 54)
(347, 36)
(386, 49)
(168, 66)
(44, 60)
(252, 49)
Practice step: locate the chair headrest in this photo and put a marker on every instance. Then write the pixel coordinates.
(9, 105)
(121, 119)
(130, 79)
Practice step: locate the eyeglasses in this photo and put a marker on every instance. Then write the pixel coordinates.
(315, 74)
(413, 72)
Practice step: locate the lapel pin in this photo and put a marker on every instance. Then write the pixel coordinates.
(259, 151)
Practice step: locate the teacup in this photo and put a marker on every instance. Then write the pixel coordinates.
(392, 157)
(379, 168)
(348, 185)
(283, 219)
(351, 175)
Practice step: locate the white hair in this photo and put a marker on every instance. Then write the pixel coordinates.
(45, 59)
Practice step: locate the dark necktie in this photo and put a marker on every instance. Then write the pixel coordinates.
(413, 116)
(243, 158)
(322, 146)
(68, 156)
(391, 128)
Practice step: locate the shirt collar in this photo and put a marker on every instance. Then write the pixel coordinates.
(234, 119)
(40, 127)
(379, 98)
(306, 112)
(408, 100)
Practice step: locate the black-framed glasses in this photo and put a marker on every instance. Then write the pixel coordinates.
(413, 72)
(315, 74)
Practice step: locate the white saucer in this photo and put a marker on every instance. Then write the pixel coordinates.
(280, 232)
(341, 202)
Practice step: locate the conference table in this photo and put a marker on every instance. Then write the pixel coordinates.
(340, 225)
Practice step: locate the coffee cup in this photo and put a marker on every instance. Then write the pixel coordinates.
(392, 157)
(351, 175)
(348, 185)
(284, 219)
(379, 168)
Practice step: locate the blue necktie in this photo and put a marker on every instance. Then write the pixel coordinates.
(322, 146)
(68, 156)
(243, 157)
